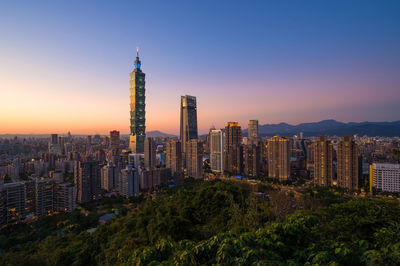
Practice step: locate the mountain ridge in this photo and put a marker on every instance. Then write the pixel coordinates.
(331, 127)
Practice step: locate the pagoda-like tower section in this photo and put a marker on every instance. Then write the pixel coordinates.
(137, 106)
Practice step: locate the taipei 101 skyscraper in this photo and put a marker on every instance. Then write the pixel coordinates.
(137, 106)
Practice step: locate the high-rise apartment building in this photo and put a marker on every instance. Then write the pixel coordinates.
(137, 106)
(37, 197)
(149, 153)
(323, 162)
(279, 158)
(109, 176)
(194, 158)
(347, 163)
(114, 139)
(217, 150)
(65, 197)
(253, 129)
(87, 181)
(384, 177)
(232, 153)
(14, 202)
(129, 182)
(44, 200)
(188, 125)
(173, 158)
(252, 159)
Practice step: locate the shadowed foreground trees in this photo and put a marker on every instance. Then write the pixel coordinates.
(216, 222)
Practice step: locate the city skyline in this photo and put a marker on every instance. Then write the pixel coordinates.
(292, 69)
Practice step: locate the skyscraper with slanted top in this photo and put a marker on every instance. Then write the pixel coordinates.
(137, 106)
(188, 120)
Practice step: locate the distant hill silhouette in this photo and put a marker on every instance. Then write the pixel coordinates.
(158, 134)
(331, 128)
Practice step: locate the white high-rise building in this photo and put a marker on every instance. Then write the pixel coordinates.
(217, 150)
(385, 177)
(129, 182)
(109, 176)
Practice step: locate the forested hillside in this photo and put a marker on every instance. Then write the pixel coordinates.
(220, 222)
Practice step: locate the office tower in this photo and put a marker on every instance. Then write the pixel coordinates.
(253, 129)
(233, 137)
(54, 139)
(149, 153)
(44, 200)
(217, 150)
(109, 176)
(65, 197)
(252, 159)
(137, 106)
(87, 181)
(173, 157)
(279, 158)
(194, 158)
(129, 182)
(188, 126)
(384, 177)
(114, 139)
(323, 162)
(347, 163)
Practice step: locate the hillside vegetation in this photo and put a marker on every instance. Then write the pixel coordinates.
(220, 222)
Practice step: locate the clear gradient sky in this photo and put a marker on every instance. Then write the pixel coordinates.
(64, 65)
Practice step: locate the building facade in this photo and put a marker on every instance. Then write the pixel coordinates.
(253, 129)
(88, 181)
(347, 163)
(188, 123)
(385, 177)
(194, 159)
(129, 182)
(252, 159)
(233, 138)
(217, 150)
(109, 176)
(114, 139)
(150, 153)
(323, 162)
(279, 158)
(173, 158)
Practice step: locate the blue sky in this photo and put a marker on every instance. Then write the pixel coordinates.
(67, 63)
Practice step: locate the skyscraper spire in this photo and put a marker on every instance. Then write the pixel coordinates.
(137, 61)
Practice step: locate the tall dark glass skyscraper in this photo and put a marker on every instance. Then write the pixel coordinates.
(137, 105)
(188, 120)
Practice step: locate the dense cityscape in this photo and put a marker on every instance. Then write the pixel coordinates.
(257, 134)
(45, 176)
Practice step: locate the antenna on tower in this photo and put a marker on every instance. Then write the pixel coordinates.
(137, 51)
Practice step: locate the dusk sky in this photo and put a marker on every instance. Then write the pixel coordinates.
(64, 65)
